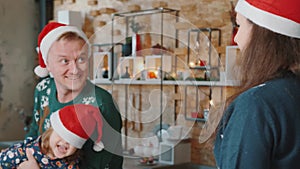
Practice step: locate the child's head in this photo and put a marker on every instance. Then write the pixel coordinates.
(70, 127)
(51, 142)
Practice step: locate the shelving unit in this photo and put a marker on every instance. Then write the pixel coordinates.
(129, 17)
(187, 84)
(110, 61)
(133, 15)
(211, 71)
(167, 82)
(208, 66)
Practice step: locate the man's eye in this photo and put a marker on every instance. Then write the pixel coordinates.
(81, 60)
(64, 61)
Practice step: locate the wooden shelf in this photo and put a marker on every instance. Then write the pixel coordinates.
(165, 82)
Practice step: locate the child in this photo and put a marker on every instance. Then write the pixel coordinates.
(58, 147)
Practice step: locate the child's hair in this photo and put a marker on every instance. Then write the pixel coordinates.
(45, 146)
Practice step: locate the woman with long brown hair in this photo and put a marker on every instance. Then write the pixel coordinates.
(260, 127)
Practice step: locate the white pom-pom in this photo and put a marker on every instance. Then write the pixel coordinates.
(41, 72)
(98, 146)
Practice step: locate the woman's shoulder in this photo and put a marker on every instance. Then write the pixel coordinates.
(270, 94)
(274, 86)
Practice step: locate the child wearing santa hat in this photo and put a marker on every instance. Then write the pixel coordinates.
(260, 127)
(58, 146)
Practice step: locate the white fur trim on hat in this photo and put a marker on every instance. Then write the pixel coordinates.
(269, 20)
(98, 146)
(66, 134)
(52, 36)
(41, 72)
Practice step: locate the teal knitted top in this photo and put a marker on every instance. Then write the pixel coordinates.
(261, 128)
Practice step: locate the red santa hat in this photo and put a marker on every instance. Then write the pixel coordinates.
(50, 33)
(280, 16)
(76, 123)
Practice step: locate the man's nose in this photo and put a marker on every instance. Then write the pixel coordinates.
(74, 67)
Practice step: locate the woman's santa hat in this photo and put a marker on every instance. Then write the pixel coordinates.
(280, 16)
(50, 33)
(76, 123)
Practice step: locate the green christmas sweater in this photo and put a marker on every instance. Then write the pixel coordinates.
(45, 103)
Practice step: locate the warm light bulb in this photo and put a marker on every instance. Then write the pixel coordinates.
(211, 102)
(192, 64)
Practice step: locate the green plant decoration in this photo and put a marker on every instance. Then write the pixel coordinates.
(135, 26)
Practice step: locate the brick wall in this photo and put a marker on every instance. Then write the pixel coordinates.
(145, 98)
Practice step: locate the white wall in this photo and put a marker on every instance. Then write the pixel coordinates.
(19, 27)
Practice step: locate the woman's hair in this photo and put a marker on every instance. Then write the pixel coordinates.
(268, 55)
(45, 146)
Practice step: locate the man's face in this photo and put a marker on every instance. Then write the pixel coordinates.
(68, 63)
